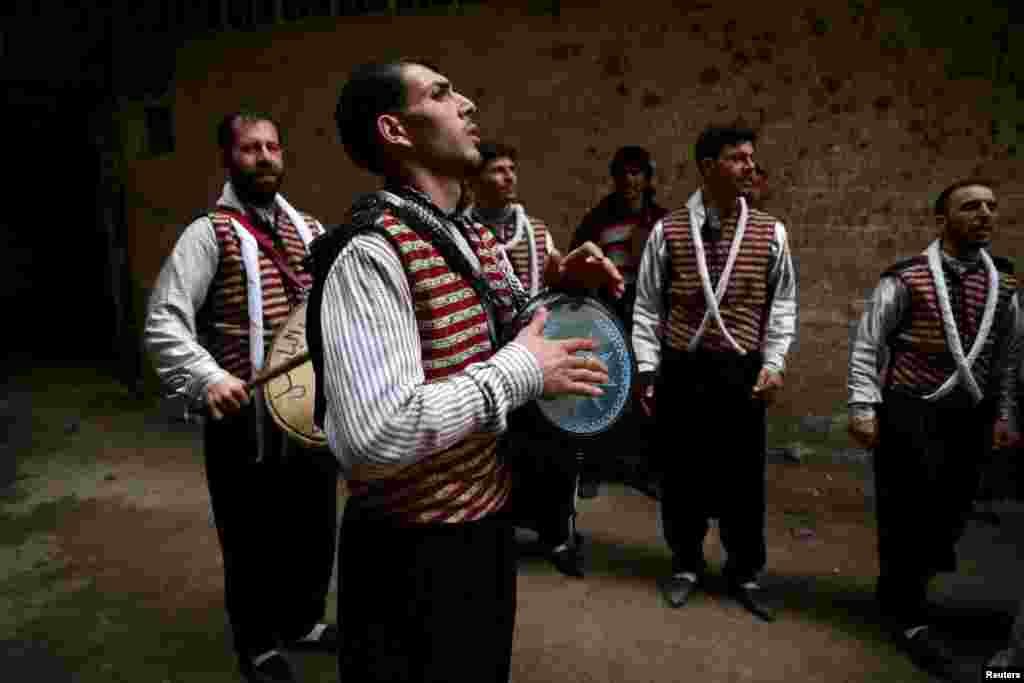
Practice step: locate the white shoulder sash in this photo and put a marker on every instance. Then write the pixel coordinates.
(963, 364)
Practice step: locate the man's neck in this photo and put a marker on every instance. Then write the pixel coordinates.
(630, 207)
(966, 254)
(497, 211)
(443, 192)
(724, 202)
(256, 203)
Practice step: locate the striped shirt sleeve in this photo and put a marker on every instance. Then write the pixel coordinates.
(380, 410)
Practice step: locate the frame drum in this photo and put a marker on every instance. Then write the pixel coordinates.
(289, 396)
(577, 316)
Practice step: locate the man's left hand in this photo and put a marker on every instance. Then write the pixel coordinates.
(768, 384)
(1004, 435)
(586, 266)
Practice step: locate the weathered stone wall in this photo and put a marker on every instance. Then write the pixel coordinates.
(861, 116)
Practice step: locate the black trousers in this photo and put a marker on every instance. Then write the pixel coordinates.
(625, 453)
(544, 472)
(430, 603)
(712, 459)
(927, 469)
(277, 524)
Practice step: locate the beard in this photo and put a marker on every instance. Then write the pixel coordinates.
(253, 186)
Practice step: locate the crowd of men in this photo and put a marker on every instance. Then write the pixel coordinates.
(422, 404)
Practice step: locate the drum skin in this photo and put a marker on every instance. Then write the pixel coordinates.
(289, 397)
(573, 317)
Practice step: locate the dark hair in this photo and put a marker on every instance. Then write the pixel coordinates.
(943, 199)
(631, 154)
(711, 141)
(226, 127)
(372, 89)
(489, 151)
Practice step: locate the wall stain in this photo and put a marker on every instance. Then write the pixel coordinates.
(563, 51)
(740, 60)
(710, 75)
(651, 99)
(622, 89)
(882, 103)
(615, 66)
(831, 84)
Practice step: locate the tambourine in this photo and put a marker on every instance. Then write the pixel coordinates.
(580, 316)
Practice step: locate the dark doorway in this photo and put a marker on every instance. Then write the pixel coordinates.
(58, 284)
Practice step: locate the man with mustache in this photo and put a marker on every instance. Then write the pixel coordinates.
(229, 283)
(945, 326)
(544, 490)
(619, 225)
(414, 393)
(717, 277)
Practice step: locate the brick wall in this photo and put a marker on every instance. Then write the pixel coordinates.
(861, 128)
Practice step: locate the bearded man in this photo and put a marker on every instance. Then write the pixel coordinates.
(231, 280)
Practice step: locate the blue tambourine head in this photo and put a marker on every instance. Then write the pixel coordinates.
(573, 317)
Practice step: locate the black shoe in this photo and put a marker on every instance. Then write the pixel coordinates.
(930, 653)
(327, 643)
(677, 590)
(747, 595)
(588, 489)
(274, 669)
(568, 561)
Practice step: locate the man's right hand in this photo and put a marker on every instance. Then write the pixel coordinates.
(645, 382)
(226, 397)
(564, 372)
(864, 430)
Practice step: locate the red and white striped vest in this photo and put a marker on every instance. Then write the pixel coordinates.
(921, 360)
(519, 253)
(746, 299)
(467, 481)
(225, 315)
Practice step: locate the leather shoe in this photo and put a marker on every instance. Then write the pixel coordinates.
(327, 643)
(568, 561)
(677, 590)
(747, 595)
(274, 669)
(930, 653)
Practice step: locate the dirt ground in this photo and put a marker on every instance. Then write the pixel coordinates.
(110, 569)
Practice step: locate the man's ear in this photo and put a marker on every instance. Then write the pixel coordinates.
(392, 130)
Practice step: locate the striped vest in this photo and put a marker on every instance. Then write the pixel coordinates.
(225, 315)
(921, 360)
(467, 481)
(746, 299)
(519, 253)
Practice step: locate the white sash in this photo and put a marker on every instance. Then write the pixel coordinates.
(254, 294)
(712, 299)
(525, 228)
(963, 364)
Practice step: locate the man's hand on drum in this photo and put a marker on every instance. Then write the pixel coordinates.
(226, 397)
(564, 371)
(587, 267)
